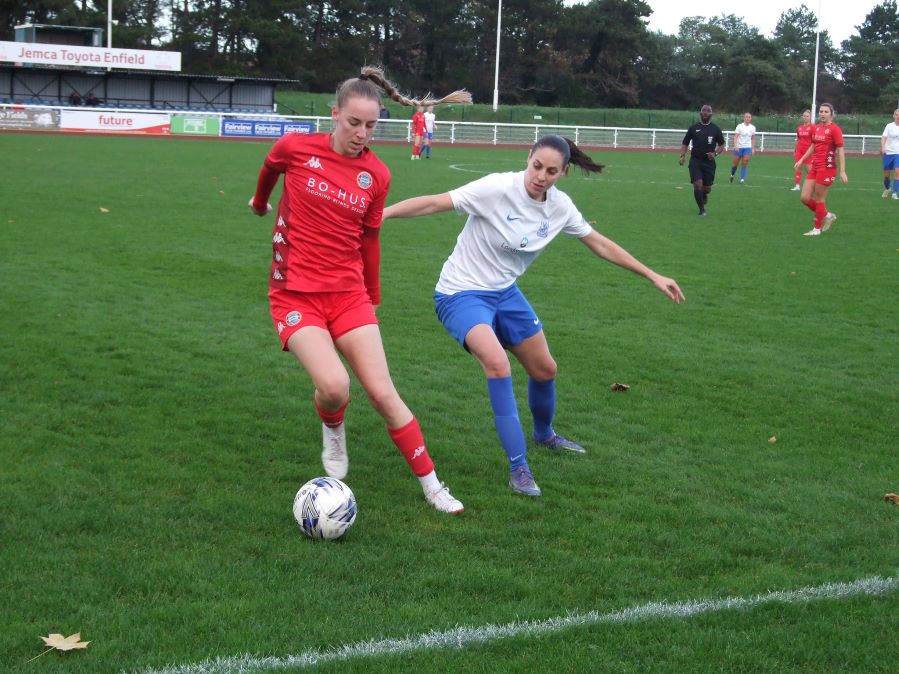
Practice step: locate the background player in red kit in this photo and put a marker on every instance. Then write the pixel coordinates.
(803, 140)
(826, 151)
(324, 283)
(418, 130)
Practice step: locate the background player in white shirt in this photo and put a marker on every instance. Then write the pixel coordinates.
(512, 217)
(889, 148)
(744, 144)
(429, 130)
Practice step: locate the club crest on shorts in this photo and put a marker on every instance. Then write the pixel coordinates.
(364, 180)
(293, 318)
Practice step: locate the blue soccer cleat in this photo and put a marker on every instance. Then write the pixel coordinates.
(522, 480)
(557, 441)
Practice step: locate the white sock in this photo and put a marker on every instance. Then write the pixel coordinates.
(429, 482)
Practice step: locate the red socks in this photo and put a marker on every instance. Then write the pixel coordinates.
(331, 419)
(820, 212)
(411, 443)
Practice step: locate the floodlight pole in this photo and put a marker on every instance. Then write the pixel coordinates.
(109, 28)
(817, 49)
(499, 23)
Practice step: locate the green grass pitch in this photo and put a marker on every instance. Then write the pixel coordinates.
(152, 434)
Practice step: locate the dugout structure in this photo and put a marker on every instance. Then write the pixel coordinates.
(28, 84)
(141, 90)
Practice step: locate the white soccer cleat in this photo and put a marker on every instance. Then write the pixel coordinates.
(444, 501)
(895, 196)
(334, 455)
(828, 221)
(796, 188)
(813, 232)
(742, 181)
(886, 194)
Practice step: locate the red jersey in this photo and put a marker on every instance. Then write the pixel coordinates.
(326, 202)
(418, 124)
(827, 138)
(803, 138)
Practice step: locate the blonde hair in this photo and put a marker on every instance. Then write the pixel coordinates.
(372, 82)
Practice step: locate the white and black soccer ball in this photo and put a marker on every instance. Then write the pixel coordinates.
(325, 508)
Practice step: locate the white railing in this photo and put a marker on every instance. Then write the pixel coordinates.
(495, 133)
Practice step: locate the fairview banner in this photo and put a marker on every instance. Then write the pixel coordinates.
(114, 122)
(89, 57)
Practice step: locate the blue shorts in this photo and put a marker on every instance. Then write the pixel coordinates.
(891, 162)
(506, 311)
(429, 135)
(742, 151)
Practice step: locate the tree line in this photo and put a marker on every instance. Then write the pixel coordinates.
(596, 54)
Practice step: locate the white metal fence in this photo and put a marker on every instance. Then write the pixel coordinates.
(462, 133)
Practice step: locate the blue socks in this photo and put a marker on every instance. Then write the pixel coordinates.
(542, 401)
(505, 417)
(743, 173)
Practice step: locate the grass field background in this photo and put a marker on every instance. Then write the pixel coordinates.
(152, 434)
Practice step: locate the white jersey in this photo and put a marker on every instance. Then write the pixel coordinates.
(743, 136)
(891, 133)
(429, 121)
(505, 232)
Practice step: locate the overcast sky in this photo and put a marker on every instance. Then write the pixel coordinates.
(838, 17)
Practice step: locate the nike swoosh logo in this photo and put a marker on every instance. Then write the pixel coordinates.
(511, 219)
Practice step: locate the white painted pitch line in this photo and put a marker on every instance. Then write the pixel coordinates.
(460, 637)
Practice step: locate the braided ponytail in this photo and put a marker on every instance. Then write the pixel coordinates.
(376, 76)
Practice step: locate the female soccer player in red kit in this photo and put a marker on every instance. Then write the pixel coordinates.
(418, 130)
(826, 151)
(803, 140)
(324, 282)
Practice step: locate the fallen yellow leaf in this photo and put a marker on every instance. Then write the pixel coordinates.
(61, 643)
(891, 497)
(772, 439)
(618, 387)
(104, 210)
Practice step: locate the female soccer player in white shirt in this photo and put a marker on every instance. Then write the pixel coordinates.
(512, 217)
(744, 144)
(889, 148)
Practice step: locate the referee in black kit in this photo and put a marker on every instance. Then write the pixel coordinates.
(708, 142)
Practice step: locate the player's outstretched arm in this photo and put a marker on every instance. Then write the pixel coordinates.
(609, 250)
(416, 206)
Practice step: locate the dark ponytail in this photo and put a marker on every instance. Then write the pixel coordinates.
(571, 153)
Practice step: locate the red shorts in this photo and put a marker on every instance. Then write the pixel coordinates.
(797, 155)
(821, 175)
(338, 313)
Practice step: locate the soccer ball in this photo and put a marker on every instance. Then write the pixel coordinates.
(325, 508)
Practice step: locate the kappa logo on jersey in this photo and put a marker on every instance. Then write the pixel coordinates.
(278, 257)
(315, 163)
(418, 452)
(543, 232)
(293, 318)
(280, 327)
(277, 275)
(278, 238)
(364, 180)
(281, 222)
